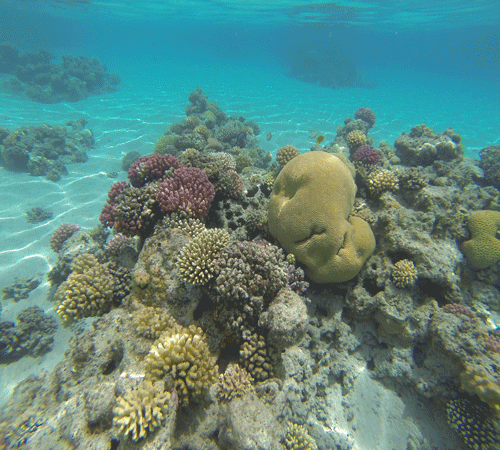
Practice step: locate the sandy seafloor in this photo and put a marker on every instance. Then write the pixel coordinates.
(149, 100)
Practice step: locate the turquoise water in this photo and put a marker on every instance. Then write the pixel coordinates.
(421, 62)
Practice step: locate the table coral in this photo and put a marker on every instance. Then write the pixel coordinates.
(184, 355)
(196, 260)
(483, 249)
(309, 214)
(141, 410)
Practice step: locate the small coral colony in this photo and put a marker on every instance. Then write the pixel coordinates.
(199, 276)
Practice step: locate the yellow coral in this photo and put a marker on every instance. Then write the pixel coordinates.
(141, 410)
(382, 180)
(483, 249)
(87, 292)
(298, 438)
(309, 214)
(286, 153)
(195, 263)
(151, 322)
(255, 358)
(210, 119)
(404, 273)
(355, 139)
(234, 382)
(184, 355)
(486, 385)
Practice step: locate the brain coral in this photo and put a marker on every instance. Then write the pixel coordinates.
(309, 214)
(185, 356)
(141, 410)
(483, 249)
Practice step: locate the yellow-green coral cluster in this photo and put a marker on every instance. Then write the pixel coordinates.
(404, 273)
(87, 292)
(286, 153)
(203, 130)
(141, 410)
(191, 226)
(355, 139)
(483, 249)
(298, 438)
(151, 322)
(255, 358)
(382, 180)
(184, 355)
(234, 382)
(195, 263)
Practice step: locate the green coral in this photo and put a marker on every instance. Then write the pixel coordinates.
(483, 249)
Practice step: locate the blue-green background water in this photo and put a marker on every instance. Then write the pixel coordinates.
(433, 62)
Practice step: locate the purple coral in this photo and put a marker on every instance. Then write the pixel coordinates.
(366, 154)
(152, 167)
(108, 214)
(188, 189)
(459, 310)
(365, 114)
(61, 234)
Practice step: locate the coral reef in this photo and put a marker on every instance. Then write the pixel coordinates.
(20, 289)
(365, 114)
(355, 139)
(45, 150)
(318, 229)
(483, 249)
(380, 181)
(61, 234)
(404, 273)
(490, 163)
(152, 167)
(75, 78)
(233, 383)
(366, 154)
(139, 411)
(298, 438)
(286, 153)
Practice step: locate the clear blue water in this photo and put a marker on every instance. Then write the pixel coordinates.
(432, 62)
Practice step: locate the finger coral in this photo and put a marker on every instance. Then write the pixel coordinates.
(188, 189)
(141, 410)
(87, 292)
(234, 382)
(195, 263)
(61, 234)
(254, 357)
(152, 167)
(286, 153)
(185, 357)
(404, 273)
(382, 180)
(355, 139)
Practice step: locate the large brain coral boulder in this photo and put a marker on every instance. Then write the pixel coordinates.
(309, 214)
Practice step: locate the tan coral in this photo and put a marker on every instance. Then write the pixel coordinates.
(355, 139)
(195, 263)
(191, 226)
(298, 438)
(404, 273)
(254, 357)
(234, 382)
(141, 410)
(87, 292)
(203, 130)
(382, 180)
(484, 382)
(286, 153)
(183, 355)
(151, 322)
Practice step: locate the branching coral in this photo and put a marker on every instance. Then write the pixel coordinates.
(255, 358)
(141, 410)
(234, 382)
(355, 139)
(382, 180)
(61, 234)
(152, 167)
(286, 153)
(404, 273)
(298, 438)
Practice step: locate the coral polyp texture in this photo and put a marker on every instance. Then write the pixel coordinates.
(365, 114)
(483, 249)
(141, 410)
(184, 356)
(355, 139)
(87, 292)
(404, 273)
(189, 189)
(286, 154)
(61, 234)
(152, 167)
(309, 214)
(196, 260)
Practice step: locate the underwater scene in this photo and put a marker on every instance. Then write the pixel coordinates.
(249, 225)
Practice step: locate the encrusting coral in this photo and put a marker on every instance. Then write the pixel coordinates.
(404, 273)
(309, 214)
(139, 411)
(183, 355)
(483, 249)
(196, 260)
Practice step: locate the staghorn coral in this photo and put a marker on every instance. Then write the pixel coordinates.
(298, 438)
(188, 189)
(140, 410)
(183, 355)
(87, 292)
(404, 273)
(196, 261)
(152, 167)
(380, 181)
(61, 234)
(483, 249)
(473, 422)
(286, 153)
(255, 358)
(233, 383)
(365, 114)
(355, 139)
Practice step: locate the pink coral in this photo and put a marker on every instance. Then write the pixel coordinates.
(365, 114)
(108, 214)
(188, 189)
(61, 234)
(459, 310)
(152, 167)
(366, 154)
